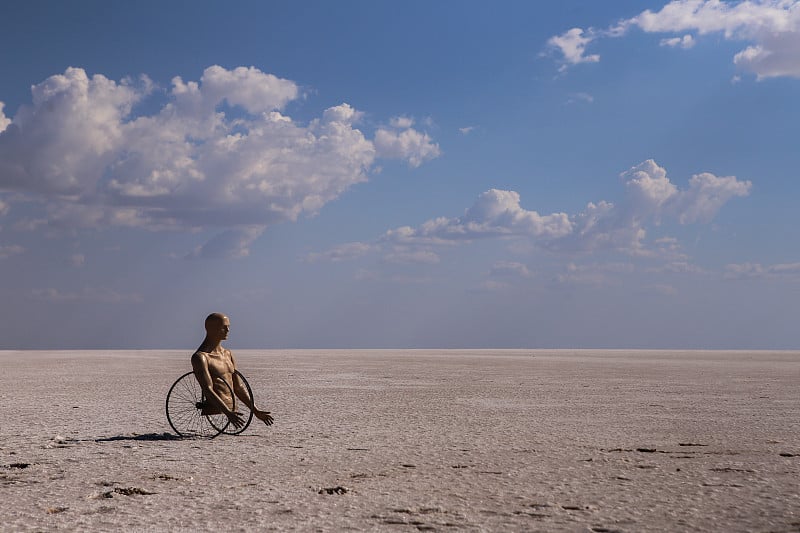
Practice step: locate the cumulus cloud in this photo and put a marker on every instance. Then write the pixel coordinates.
(220, 153)
(401, 123)
(496, 213)
(401, 141)
(572, 46)
(685, 42)
(770, 27)
(650, 198)
(253, 90)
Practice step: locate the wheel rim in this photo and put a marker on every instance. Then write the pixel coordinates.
(184, 414)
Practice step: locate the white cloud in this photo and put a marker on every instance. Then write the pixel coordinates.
(650, 197)
(401, 123)
(572, 45)
(466, 130)
(771, 27)
(409, 144)
(194, 163)
(685, 42)
(496, 213)
(707, 193)
(253, 90)
(4, 120)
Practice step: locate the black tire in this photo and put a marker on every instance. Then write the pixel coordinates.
(184, 410)
(230, 429)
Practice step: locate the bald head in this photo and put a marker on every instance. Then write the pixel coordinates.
(217, 327)
(214, 319)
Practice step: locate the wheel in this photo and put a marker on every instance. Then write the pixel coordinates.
(230, 429)
(184, 410)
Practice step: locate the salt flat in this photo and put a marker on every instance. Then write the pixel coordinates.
(459, 440)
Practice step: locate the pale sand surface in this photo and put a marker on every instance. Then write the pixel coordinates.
(421, 440)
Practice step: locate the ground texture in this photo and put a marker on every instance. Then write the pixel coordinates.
(409, 440)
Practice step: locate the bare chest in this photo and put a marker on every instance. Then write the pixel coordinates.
(219, 365)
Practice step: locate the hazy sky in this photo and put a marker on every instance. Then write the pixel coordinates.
(400, 174)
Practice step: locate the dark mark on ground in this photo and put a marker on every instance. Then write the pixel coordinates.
(725, 452)
(788, 454)
(731, 469)
(333, 490)
(690, 444)
(19, 465)
(130, 491)
(166, 477)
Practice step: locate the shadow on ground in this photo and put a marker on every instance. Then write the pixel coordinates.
(146, 436)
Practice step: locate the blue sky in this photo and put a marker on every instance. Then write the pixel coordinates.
(410, 174)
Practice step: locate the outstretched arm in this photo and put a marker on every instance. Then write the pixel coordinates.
(200, 367)
(241, 391)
